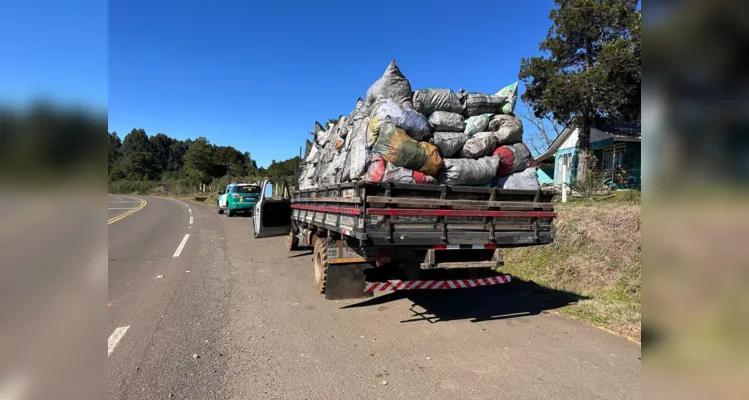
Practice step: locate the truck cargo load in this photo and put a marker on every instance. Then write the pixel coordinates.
(465, 125)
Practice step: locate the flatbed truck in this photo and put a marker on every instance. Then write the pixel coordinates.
(369, 237)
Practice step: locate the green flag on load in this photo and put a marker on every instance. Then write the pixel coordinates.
(510, 92)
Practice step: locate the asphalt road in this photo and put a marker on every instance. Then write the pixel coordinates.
(118, 205)
(234, 317)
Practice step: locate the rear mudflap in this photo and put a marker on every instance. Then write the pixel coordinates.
(346, 281)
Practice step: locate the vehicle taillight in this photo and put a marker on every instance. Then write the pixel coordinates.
(235, 196)
(383, 257)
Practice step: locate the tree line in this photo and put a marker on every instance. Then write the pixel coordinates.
(139, 163)
(49, 143)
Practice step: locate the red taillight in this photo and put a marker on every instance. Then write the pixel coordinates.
(440, 246)
(383, 257)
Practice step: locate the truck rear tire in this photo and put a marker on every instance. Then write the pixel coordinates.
(320, 261)
(292, 242)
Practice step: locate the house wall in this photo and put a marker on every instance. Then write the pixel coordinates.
(545, 173)
(633, 157)
(631, 160)
(569, 146)
(571, 141)
(606, 142)
(597, 135)
(558, 160)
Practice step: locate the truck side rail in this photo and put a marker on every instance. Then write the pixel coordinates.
(406, 214)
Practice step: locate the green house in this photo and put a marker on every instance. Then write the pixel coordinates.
(616, 146)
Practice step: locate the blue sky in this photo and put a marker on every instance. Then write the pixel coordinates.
(254, 75)
(257, 75)
(54, 50)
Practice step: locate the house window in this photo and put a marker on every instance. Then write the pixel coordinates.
(564, 164)
(612, 158)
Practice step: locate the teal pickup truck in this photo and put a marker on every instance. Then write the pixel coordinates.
(238, 197)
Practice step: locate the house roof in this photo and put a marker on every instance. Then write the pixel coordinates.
(621, 128)
(556, 143)
(616, 129)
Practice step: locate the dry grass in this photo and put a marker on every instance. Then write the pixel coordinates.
(596, 254)
(200, 198)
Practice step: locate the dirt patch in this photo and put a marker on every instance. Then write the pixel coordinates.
(597, 254)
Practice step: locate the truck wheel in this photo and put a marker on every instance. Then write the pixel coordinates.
(321, 265)
(292, 242)
(229, 212)
(218, 209)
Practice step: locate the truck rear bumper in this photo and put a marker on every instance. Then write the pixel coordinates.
(464, 264)
(449, 284)
(348, 281)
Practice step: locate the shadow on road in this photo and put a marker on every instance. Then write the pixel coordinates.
(302, 254)
(516, 299)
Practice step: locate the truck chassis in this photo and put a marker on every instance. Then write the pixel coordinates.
(369, 237)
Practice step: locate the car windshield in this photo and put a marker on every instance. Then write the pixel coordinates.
(247, 189)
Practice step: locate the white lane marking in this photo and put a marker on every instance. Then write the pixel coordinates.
(121, 208)
(115, 338)
(181, 246)
(189, 210)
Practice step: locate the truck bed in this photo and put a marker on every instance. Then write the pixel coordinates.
(391, 214)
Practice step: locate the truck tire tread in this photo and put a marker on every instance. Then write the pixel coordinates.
(292, 242)
(320, 264)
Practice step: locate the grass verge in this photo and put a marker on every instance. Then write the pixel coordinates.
(596, 254)
(200, 198)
